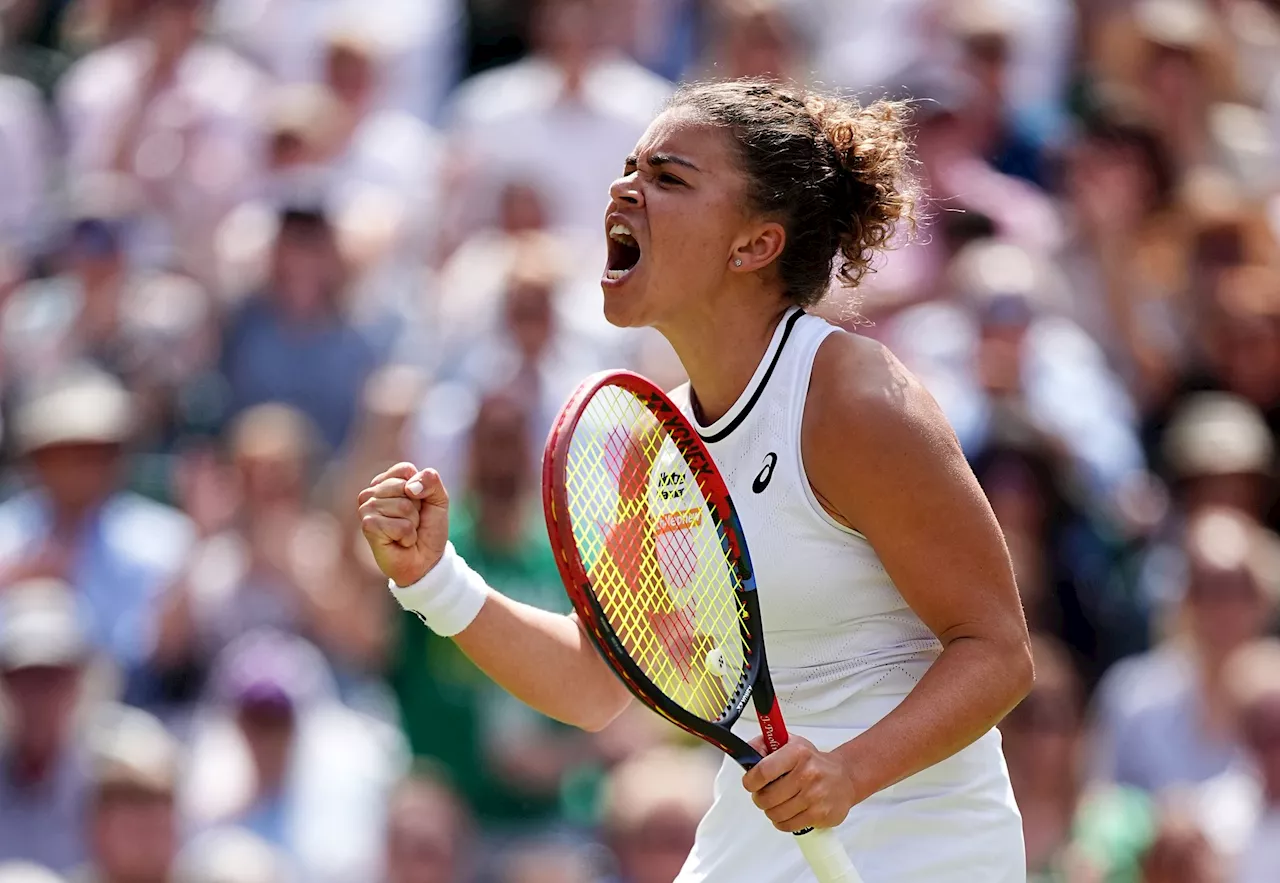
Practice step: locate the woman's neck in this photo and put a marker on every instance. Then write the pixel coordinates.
(720, 350)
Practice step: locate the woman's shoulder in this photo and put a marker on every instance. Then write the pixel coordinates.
(858, 383)
(872, 437)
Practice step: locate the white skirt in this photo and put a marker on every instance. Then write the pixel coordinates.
(955, 822)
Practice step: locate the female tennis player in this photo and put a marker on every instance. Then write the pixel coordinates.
(895, 634)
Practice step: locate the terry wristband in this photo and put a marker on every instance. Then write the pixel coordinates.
(447, 598)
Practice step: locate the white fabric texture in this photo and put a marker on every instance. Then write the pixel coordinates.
(844, 649)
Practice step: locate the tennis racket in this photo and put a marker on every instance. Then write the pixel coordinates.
(655, 562)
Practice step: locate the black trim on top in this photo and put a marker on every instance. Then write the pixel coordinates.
(755, 396)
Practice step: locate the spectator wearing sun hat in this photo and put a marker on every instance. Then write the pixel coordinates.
(43, 775)
(116, 549)
(133, 819)
(1219, 451)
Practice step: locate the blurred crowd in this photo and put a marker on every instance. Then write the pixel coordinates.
(254, 251)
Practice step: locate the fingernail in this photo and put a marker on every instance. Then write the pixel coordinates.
(414, 487)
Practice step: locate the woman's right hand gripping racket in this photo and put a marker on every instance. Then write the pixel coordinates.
(656, 565)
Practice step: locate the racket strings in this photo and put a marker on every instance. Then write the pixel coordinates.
(656, 563)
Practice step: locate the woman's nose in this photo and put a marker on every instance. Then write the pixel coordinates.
(624, 190)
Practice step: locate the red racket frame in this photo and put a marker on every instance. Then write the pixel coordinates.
(756, 684)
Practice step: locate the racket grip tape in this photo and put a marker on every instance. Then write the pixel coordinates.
(826, 856)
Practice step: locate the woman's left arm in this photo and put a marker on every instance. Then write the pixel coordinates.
(883, 460)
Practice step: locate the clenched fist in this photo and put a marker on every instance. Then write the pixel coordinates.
(404, 514)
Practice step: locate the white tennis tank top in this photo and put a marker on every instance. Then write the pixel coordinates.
(843, 649)
(834, 623)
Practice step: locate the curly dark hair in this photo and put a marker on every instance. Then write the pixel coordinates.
(836, 175)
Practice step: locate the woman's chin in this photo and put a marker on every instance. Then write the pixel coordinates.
(622, 307)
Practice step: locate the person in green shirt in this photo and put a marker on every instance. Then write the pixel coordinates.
(517, 769)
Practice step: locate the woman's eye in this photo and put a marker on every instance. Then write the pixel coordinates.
(669, 179)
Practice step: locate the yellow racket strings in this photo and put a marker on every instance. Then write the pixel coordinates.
(653, 555)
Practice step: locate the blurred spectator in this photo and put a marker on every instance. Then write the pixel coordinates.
(1127, 256)
(278, 562)
(508, 761)
(155, 330)
(43, 773)
(1073, 832)
(1181, 853)
(473, 279)
(76, 314)
(387, 151)
(757, 38)
(429, 832)
(564, 117)
(1218, 451)
(286, 281)
(1215, 451)
(1253, 679)
(1162, 716)
(173, 113)
(861, 44)
(116, 549)
(956, 153)
(378, 166)
(1171, 53)
(666, 35)
(652, 806)
(231, 855)
(984, 32)
(420, 42)
(1001, 344)
(381, 436)
(1240, 347)
(25, 142)
(133, 820)
(1071, 567)
(551, 862)
(527, 348)
(1042, 745)
(263, 759)
(955, 177)
(292, 343)
(1042, 739)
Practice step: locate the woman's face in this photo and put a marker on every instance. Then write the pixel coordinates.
(674, 220)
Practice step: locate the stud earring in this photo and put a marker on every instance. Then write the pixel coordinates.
(737, 262)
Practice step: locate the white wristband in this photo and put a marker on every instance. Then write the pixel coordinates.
(448, 597)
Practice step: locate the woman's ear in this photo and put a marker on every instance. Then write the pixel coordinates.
(759, 250)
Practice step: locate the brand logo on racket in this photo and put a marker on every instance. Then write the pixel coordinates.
(673, 521)
(766, 474)
(670, 484)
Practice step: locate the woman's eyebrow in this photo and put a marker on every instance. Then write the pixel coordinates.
(662, 159)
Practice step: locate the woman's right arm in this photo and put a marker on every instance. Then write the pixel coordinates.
(542, 658)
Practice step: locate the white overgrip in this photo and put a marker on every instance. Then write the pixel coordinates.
(825, 854)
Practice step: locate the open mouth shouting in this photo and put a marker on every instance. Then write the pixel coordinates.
(624, 252)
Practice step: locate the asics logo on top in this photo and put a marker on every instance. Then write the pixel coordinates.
(762, 480)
